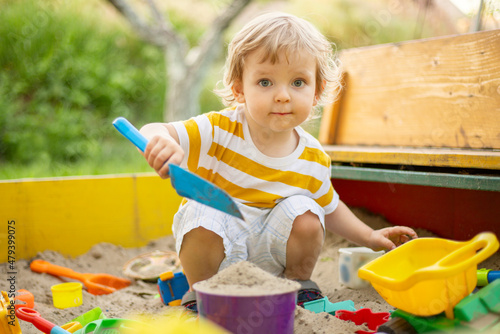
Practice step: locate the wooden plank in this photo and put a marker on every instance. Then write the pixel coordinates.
(439, 92)
(435, 157)
(329, 119)
(328, 126)
(70, 215)
(442, 180)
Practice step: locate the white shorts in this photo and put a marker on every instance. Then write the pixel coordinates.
(261, 238)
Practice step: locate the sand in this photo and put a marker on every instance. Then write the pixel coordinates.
(246, 279)
(140, 296)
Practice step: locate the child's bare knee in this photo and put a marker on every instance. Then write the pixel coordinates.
(307, 225)
(202, 234)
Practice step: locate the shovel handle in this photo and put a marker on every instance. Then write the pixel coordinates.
(41, 266)
(131, 133)
(30, 315)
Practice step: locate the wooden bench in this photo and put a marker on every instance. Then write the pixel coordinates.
(423, 113)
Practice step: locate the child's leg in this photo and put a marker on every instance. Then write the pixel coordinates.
(201, 254)
(288, 241)
(303, 246)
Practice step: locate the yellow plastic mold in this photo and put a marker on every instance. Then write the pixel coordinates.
(427, 276)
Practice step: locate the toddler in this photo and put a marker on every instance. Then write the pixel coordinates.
(277, 71)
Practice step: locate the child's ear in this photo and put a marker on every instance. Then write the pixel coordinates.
(237, 90)
(319, 92)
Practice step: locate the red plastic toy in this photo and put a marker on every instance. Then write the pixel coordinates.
(364, 315)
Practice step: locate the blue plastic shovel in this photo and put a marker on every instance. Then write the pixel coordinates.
(186, 184)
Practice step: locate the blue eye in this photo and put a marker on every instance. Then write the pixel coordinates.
(298, 83)
(265, 83)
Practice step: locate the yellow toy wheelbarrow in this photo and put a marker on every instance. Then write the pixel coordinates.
(427, 276)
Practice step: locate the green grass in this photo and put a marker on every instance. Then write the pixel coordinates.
(64, 77)
(114, 158)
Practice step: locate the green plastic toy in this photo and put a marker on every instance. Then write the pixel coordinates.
(88, 317)
(324, 305)
(486, 276)
(478, 312)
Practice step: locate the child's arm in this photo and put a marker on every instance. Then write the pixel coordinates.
(163, 147)
(343, 222)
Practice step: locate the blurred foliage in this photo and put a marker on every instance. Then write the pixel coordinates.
(357, 23)
(65, 74)
(68, 68)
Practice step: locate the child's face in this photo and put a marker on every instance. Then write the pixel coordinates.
(280, 96)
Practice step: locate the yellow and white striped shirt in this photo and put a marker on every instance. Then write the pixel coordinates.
(219, 148)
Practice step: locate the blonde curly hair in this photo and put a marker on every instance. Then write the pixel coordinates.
(275, 33)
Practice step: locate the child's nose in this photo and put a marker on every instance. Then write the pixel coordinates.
(282, 95)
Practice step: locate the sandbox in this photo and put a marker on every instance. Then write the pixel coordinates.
(141, 297)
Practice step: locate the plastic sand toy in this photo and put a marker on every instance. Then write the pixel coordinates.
(173, 322)
(8, 320)
(89, 316)
(24, 298)
(427, 276)
(364, 316)
(172, 286)
(249, 314)
(477, 313)
(324, 305)
(149, 266)
(97, 284)
(67, 294)
(107, 326)
(30, 315)
(486, 276)
(350, 260)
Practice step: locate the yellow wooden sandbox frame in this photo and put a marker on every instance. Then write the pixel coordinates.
(71, 214)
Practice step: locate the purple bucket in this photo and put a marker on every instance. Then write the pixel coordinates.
(249, 314)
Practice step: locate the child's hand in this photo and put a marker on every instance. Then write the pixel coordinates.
(391, 237)
(162, 151)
